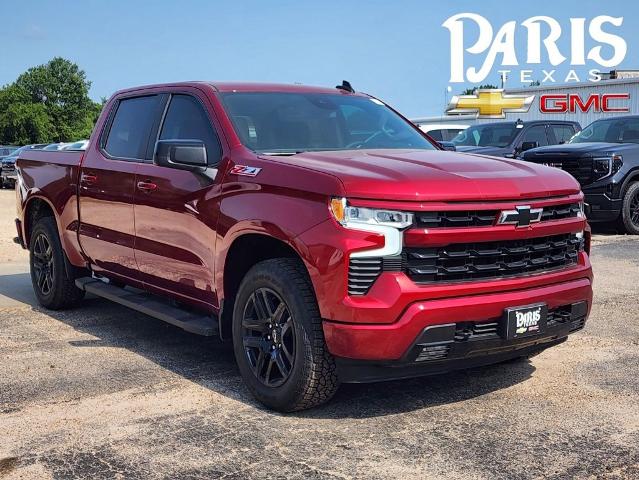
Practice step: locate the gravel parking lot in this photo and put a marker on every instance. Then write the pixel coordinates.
(101, 392)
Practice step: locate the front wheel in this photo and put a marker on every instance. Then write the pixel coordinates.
(630, 209)
(278, 338)
(52, 287)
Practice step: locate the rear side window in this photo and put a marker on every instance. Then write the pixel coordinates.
(131, 127)
(186, 120)
(536, 134)
(563, 133)
(436, 135)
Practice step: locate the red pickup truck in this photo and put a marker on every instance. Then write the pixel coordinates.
(317, 228)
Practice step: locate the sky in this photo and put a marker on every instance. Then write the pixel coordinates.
(395, 50)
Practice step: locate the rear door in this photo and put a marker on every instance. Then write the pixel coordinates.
(176, 210)
(107, 184)
(560, 133)
(534, 133)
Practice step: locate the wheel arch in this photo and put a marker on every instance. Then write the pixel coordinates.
(631, 177)
(245, 250)
(37, 207)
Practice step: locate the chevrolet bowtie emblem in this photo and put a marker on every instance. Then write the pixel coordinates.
(490, 103)
(522, 216)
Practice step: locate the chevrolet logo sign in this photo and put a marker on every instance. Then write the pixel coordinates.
(521, 216)
(490, 103)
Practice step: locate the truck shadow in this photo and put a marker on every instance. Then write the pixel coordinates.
(605, 229)
(211, 363)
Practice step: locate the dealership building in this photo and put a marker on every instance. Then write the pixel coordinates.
(615, 82)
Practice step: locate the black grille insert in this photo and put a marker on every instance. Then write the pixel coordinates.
(559, 212)
(474, 331)
(481, 218)
(486, 260)
(485, 218)
(362, 273)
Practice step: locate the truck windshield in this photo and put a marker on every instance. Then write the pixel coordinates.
(625, 130)
(288, 123)
(489, 135)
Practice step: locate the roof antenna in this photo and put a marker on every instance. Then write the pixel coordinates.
(346, 86)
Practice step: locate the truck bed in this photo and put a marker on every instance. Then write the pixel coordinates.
(52, 177)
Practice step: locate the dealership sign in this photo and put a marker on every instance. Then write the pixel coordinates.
(571, 103)
(488, 103)
(488, 46)
(494, 103)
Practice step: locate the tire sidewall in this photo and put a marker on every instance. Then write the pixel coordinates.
(46, 226)
(276, 397)
(632, 192)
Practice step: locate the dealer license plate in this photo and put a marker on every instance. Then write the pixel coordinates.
(526, 321)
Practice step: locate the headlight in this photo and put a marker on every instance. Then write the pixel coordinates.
(388, 223)
(354, 216)
(603, 167)
(581, 212)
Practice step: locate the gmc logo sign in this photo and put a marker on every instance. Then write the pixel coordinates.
(572, 102)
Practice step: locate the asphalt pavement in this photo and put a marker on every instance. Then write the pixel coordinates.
(101, 392)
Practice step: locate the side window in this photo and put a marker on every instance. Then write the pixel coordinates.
(536, 134)
(563, 133)
(449, 134)
(131, 126)
(186, 120)
(436, 134)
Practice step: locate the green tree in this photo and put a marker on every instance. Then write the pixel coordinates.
(471, 91)
(48, 103)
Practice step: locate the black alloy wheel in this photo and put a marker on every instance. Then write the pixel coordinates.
(278, 337)
(43, 265)
(53, 282)
(268, 337)
(634, 209)
(629, 218)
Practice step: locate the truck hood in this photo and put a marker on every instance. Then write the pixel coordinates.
(483, 150)
(419, 175)
(581, 149)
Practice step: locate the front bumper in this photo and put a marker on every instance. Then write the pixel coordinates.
(354, 371)
(398, 345)
(602, 208)
(9, 175)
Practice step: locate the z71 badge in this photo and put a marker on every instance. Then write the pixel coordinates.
(244, 170)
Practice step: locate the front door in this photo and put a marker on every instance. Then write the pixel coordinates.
(176, 210)
(108, 182)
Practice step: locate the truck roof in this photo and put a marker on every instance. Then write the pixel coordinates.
(527, 122)
(243, 87)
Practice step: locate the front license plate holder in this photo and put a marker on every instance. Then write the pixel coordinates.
(525, 321)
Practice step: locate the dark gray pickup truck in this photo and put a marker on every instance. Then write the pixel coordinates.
(604, 158)
(511, 139)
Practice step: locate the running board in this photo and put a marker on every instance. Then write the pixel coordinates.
(151, 305)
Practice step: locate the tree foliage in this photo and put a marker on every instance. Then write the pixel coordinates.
(471, 91)
(47, 103)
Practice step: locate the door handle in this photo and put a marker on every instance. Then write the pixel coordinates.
(147, 186)
(89, 178)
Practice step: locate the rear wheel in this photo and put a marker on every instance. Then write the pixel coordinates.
(52, 287)
(278, 338)
(630, 209)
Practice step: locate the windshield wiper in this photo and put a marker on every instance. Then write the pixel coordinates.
(282, 154)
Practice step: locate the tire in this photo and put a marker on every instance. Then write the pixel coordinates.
(629, 219)
(53, 288)
(278, 293)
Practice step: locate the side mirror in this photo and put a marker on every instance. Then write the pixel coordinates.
(529, 146)
(450, 146)
(181, 154)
